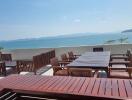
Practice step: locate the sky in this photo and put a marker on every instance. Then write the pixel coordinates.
(21, 19)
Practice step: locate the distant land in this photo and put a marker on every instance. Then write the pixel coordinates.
(130, 30)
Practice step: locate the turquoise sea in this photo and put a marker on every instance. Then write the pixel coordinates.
(69, 40)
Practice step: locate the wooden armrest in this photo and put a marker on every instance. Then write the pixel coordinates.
(119, 57)
(119, 62)
(77, 55)
(118, 54)
(111, 68)
(64, 62)
(129, 68)
(58, 67)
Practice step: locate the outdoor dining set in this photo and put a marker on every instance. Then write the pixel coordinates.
(86, 76)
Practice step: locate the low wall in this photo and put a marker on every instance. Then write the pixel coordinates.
(117, 48)
(29, 53)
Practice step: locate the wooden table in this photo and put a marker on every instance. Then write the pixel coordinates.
(69, 87)
(94, 60)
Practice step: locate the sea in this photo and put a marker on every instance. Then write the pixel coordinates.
(68, 40)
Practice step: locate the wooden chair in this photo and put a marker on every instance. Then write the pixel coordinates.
(65, 58)
(127, 61)
(2, 68)
(81, 72)
(121, 56)
(57, 69)
(5, 57)
(25, 66)
(123, 71)
(72, 56)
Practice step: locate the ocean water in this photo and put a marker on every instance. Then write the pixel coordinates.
(62, 41)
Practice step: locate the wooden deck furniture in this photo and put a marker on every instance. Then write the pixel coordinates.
(43, 59)
(121, 56)
(81, 72)
(93, 60)
(5, 57)
(126, 63)
(2, 68)
(25, 66)
(57, 68)
(65, 58)
(121, 72)
(68, 88)
(72, 56)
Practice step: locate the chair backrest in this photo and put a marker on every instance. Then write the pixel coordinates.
(5, 57)
(26, 66)
(64, 57)
(55, 64)
(2, 68)
(80, 72)
(43, 59)
(130, 59)
(71, 55)
(128, 53)
(98, 49)
(54, 61)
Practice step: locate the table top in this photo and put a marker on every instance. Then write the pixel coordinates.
(13, 63)
(70, 86)
(92, 59)
(10, 63)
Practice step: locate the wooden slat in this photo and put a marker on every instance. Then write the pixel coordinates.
(96, 87)
(28, 82)
(55, 84)
(47, 85)
(67, 84)
(128, 88)
(122, 90)
(79, 85)
(60, 84)
(84, 86)
(102, 87)
(73, 86)
(108, 88)
(33, 83)
(12, 81)
(41, 82)
(90, 87)
(115, 91)
(23, 81)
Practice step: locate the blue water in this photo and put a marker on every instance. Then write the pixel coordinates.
(53, 42)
